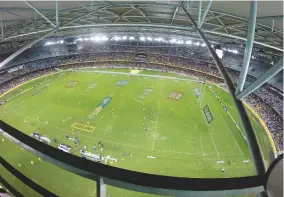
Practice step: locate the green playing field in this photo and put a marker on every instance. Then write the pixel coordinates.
(148, 123)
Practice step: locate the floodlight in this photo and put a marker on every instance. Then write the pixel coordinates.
(117, 38)
(104, 38)
(219, 53)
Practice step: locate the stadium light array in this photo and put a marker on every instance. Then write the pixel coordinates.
(117, 38)
(172, 41)
(159, 39)
(124, 37)
(104, 38)
(149, 38)
(51, 43)
(142, 38)
(231, 50)
(179, 42)
(131, 38)
(203, 45)
(219, 53)
(235, 51)
(197, 43)
(48, 43)
(188, 42)
(99, 38)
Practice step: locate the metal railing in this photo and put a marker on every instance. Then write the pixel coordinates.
(126, 179)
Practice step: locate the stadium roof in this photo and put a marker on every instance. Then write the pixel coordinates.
(225, 22)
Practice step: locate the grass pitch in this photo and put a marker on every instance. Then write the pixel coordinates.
(157, 124)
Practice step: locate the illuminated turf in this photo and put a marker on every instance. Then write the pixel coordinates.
(177, 141)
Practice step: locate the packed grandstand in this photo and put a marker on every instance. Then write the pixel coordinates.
(47, 57)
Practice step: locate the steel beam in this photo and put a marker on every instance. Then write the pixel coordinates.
(101, 188)
(11, 57)
(174, 14)
(189, 5)
(117, 15)
(199, 11)
(83, 5)
(14, 14)
(141, 12)
(35, 9)
(249, 45)
(57, 10)
(221, 23)
(205, 13)
(121, 16)
(2, 28)
(261, 80)
(271, 17)
(252, 140)
(244, 39)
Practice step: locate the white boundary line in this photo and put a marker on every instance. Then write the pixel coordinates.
(233, 136)
(202, 95)
(213, 92)
(144, 75)
(201, 110)
(157, 115)
(212, 139)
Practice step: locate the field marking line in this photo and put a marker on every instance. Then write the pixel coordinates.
(144, 75)
(227, 124)
(232, 135)
(200, 141)
(198, 100)
(116, 115)
(202, 96)
(159, 106)
(190, 125)
(176, 152)
(229, 114)
(69, 118)
(190, 142)
(211, 136)
(200, 137)
(94, 192)
(208, 126)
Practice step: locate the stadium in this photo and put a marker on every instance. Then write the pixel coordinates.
(114, 98)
